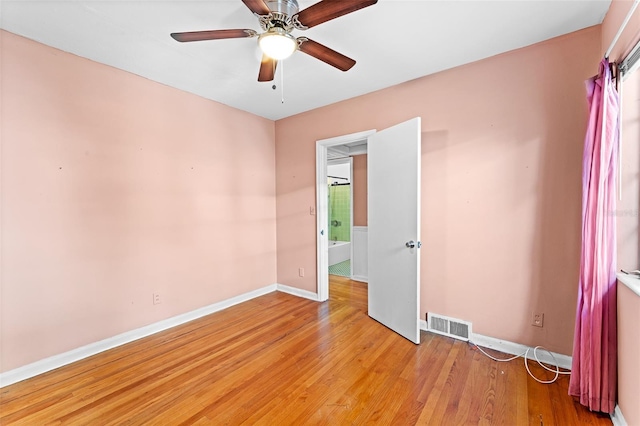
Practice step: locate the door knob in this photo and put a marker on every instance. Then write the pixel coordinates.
(412, 244)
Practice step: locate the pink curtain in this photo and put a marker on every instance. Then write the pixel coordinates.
(593, 372)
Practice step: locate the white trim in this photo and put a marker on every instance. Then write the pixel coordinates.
(345, 139)
(423, 325)
(617, 418)
(30, 370)
(564, 361)
(621, 28)
(322, 219)
(633, 283)
(297, 292)
(351, 214)
(360, 278)
(511, 348)
(347, 160)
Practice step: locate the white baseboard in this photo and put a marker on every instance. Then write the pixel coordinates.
(564, 361)
(30, 370)
(297, 292)
(423, 325)
(360, 278)
(617, 418)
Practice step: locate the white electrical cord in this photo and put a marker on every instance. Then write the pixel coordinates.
(526, 365)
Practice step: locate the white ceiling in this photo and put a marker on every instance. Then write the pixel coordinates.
(393, 41)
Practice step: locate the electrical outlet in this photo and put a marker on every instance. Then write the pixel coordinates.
(537, 319)
(156, 298)
(301, 272)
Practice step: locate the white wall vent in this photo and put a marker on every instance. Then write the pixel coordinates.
(450, 327)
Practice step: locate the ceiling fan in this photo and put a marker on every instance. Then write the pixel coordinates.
(277, 19)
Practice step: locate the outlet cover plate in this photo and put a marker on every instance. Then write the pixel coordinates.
(537, 320)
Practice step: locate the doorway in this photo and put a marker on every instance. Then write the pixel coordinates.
(340, 184)
(393, 242)
(344, 146)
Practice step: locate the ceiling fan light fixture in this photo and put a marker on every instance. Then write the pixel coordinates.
(277, 43)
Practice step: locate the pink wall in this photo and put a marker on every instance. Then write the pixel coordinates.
(628, 217)
(502, 155)
(115, 187)
(359, 181)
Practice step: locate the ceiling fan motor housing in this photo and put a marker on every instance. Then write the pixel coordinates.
(285, 7)
(281, 16)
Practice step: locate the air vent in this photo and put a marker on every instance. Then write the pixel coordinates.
(447, 326)
(439, 324)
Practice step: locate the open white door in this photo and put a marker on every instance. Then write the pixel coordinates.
(394, 227)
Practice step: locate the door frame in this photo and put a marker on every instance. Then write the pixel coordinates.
(346, 160)
(322, 214)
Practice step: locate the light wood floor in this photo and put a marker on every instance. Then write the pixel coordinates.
(279, 360)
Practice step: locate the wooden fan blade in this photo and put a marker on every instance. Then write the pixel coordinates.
(327, 10)
(258, 7)
(213, 35)
(325, 54)
(267, 68)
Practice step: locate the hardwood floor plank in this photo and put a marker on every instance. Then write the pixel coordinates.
(96, 368)
(279, 359)
(506, 376)
(435, 393)
(338, 359)
(540, 409)
(478, 395)
(218, 370)
(449, 400)
(371, 384)
(269, 377)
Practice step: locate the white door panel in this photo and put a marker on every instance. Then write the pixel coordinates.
(394, 220)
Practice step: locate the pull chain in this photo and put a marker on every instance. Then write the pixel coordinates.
(282, 81)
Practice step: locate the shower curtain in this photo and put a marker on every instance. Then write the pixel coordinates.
(593, 372)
